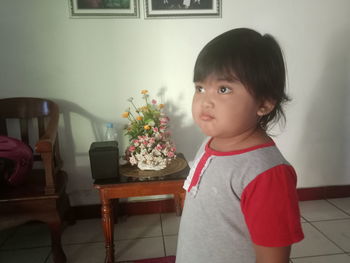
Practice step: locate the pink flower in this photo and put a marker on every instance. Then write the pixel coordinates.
(170, 154)
(154, 102)
(155, 129)
(159, 147)
(132, 148)
(164, 120)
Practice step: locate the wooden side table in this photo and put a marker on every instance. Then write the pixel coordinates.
(124, 187)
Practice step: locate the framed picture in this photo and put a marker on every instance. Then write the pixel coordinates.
(104, 8)
(182, 8)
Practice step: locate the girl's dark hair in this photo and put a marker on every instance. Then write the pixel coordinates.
(255, 59)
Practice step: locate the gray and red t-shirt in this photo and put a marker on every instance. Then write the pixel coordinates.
(235, 199)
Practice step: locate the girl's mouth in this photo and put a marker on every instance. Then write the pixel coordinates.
(206, 117)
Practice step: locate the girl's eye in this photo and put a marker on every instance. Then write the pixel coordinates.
(199, 89)
(224, 90)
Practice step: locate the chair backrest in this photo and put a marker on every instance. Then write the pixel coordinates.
(46, 113)
(25, 109)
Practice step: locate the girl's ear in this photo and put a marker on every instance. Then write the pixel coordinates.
(266, 107)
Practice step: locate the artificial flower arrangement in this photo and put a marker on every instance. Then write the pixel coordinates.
(150, 146)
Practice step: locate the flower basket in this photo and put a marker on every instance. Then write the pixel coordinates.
(150, 146)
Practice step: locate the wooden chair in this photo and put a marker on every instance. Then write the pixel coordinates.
(42, 197)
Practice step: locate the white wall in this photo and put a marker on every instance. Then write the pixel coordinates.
(91, 66)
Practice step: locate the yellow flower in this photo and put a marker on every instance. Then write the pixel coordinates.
(161, 106)
(147, 127)
(125, 114)
(144, 91)
(139, 118)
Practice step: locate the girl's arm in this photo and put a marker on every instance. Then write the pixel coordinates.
(272, 254)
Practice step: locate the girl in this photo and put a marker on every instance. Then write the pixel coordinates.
(241, 204)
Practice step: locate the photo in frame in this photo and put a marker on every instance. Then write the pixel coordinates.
(182, 8)
(104, 8)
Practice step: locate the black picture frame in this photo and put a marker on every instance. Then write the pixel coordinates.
(104, 8)
(182, 8)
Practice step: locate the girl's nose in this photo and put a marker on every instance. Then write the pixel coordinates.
(207, 102)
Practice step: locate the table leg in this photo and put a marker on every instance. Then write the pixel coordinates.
(108, 225)
(179, 202)
(115, 204)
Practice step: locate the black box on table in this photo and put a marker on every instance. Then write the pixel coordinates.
(104, 160)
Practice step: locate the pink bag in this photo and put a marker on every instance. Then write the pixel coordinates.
(16, 158)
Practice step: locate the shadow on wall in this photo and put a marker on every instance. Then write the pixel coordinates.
(76, 163)
(187, 138)
(66, 109)
(324, 150)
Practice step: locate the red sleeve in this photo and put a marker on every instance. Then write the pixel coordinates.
(270, 207)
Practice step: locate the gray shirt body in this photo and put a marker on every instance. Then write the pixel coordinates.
(212, 228)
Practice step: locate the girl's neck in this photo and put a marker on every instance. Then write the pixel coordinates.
(245, 140)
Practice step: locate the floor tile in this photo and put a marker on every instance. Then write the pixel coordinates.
(83, 231)
(139, 248)
(29, 236)
(314, 244)
(49, 260)
(170, 223)
(338, 231)
(170, 243)
(324, 259)
(320, 210)
(35, 255)
(87, 253)
(342, 203)
(5, 234)
(138, 227)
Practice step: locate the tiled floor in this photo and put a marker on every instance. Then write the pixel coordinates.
(326, 225)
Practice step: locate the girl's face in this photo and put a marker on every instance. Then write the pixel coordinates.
(224, 108)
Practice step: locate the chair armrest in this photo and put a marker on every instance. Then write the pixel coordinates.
(47, 141)
(44, 146)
